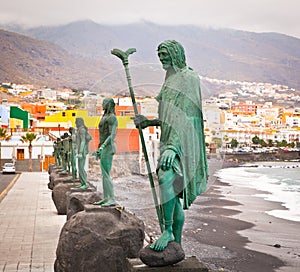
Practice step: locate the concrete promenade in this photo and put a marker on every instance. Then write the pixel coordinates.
(29, 225)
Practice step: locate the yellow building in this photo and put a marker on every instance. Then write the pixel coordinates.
(66, 119)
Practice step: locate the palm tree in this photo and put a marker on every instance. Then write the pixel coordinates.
(28, 138)
(226, 139)
(3, 136)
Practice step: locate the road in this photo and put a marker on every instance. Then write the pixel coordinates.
(6, 181)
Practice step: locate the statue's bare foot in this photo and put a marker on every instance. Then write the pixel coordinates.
(100, 202)
(109, 203)
(162, 242)
(83, 186)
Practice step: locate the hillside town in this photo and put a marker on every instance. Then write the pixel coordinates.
(246, 117)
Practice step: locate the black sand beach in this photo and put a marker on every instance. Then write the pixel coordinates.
(226, 228)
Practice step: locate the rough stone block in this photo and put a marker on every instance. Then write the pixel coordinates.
(59, 196)
(76, 199)
(99, 239)
(172, 254)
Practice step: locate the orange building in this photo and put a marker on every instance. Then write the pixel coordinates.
(38, 111)
(244, 108)
(127, 140)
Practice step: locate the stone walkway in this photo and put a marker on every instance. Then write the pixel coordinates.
(29, 226)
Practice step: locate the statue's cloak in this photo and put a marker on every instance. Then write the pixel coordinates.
(180, 113)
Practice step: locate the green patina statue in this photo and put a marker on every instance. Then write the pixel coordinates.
(73, 151)
(65, 152)
(82, 139)
(182, 165)
(56, 152)
(107, 148)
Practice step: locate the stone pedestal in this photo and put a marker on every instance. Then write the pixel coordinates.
(99, 239)
(57, 176)
(59, 195)
(190, 264)
(77, 198)
(64, 174)
(58, 179)
(172, 254)
(52, 167)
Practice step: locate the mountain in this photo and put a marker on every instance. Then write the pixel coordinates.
(28, 60)
(215, 53)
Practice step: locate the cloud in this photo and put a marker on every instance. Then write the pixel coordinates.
(251, 15)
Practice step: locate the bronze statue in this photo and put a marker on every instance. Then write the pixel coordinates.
(182, 166)
(65, 153)
(82, 137)
(56, 152)
(107, 148)
(73, 152)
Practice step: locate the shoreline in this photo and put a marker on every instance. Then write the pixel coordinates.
(269, 234)
(220, 228)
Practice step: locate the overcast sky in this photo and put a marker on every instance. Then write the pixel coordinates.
(251, 15)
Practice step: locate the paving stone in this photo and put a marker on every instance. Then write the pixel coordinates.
(29, 225)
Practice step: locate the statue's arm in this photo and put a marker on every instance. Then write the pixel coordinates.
(154, 122)
(74, 144)
(141, 120)
(82, 142)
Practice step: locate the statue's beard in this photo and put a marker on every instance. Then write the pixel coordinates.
(166, 66)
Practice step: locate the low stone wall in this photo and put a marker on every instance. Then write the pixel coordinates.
(124, 164)
(23, 165)
(275, 156)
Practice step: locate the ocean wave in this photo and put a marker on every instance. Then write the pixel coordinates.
(272, 184)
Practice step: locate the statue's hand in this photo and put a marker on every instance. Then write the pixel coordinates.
(167, 159)
(95, 153)
(140, 120)
(79, 155)
(98, 153)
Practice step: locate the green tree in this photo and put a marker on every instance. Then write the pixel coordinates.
(4, 136)
(255, 140)
(234, 143)
(226, 138)
(283, 143)
(217, 141)
(291, 144)
(29, 138)
(270, 143)
(262, 143)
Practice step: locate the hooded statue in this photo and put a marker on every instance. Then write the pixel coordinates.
(182, 165)
(180, 112)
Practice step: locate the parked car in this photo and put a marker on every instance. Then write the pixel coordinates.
(8, 168)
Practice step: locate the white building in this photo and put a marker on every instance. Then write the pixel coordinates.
(15, 149)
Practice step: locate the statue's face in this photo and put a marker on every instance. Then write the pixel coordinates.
(77, 122)
(105, 105)
(164, 58)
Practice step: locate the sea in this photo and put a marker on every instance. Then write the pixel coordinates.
(278, 181)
